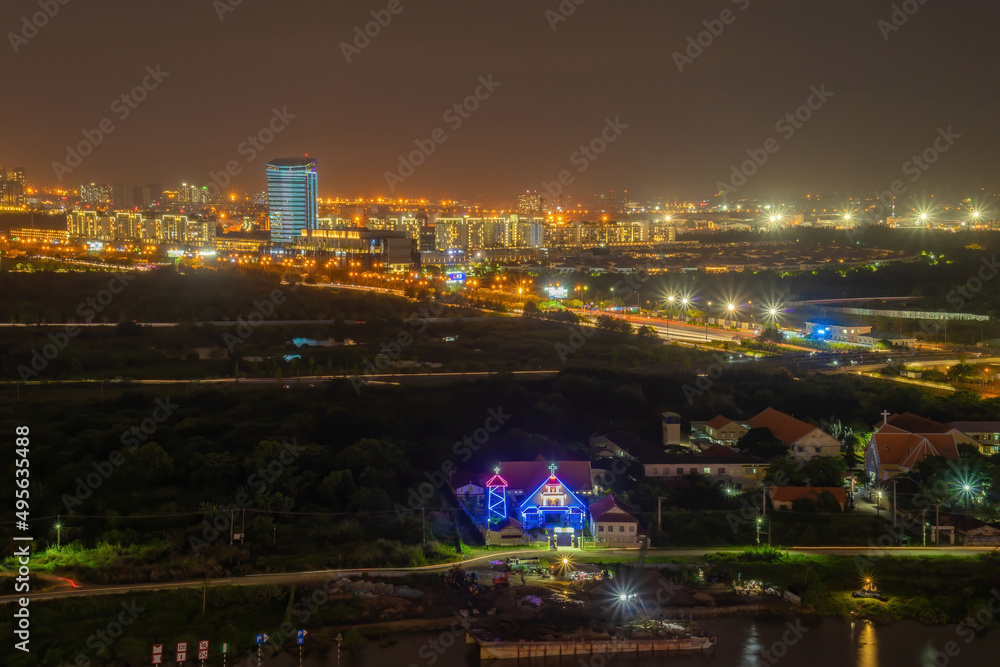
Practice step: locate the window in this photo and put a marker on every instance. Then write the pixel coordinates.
(656, 471)
(708, 471)
(680, 471)
(631, 529)
(722, 471)
(621, 529)
(819, 450)
(600, 529)
(694, 471)
(802, 449)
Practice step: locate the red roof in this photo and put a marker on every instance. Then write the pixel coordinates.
(610, 510)
(912, 423)
(720, 450)
(787, 494)
(718, 422)
(909, 449)
(784, 427)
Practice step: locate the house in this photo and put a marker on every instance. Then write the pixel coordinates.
(718, 464)
(964, 529)
(725, 431)
(903, 441)
(507, 532)
(803, 440)
(837, 331)
(896, 340)
(986, 435)
(783, 497)
(613, 524)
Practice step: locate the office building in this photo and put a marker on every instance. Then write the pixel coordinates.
(13, 191)
(292, 192)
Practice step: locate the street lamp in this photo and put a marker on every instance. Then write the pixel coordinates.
(708, 312)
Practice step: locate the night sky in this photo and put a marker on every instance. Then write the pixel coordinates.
(606, 60)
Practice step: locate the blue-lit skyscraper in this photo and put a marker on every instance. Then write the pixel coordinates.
(292, 191)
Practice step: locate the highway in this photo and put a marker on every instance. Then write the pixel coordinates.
(63, 588)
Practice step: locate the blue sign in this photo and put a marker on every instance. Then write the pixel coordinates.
(300, 637)
(259, 639)
(456, 277)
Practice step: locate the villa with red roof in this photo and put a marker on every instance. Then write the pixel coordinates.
(613, 524)
(725, 431)
(804, 440)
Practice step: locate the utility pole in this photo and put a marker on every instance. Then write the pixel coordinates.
(893, 503)
(937, 524)
(923, 524)
(423, 525)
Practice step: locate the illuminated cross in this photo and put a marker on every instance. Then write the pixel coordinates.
(885, 417)
(497, 470)
(552, 468)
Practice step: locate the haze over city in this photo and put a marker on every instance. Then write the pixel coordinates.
(229, 68)
(455, 334)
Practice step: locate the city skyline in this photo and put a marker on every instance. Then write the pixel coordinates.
(690, 106)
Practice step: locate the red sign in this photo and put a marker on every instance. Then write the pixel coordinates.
(182, 654)
(203, 649)
(157, 654)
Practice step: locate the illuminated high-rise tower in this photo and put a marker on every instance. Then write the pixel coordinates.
(12, 187)
(292, 192)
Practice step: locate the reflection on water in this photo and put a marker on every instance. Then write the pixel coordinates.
(867, 644)
(743, 642)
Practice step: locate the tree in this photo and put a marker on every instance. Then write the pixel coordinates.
(613, 324)
(771, 335)
(648, 333)
(530, 310)
(761, 443)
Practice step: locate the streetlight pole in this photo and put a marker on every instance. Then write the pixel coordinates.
(708, 313)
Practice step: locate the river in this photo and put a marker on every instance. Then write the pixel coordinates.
(743, 642)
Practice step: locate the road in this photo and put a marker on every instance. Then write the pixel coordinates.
(309, 380)
(65, 589)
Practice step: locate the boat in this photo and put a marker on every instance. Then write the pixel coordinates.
(493, 647)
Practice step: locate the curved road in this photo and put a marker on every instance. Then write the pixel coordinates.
(67, 589)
